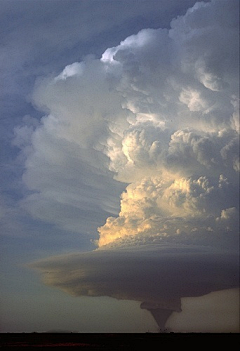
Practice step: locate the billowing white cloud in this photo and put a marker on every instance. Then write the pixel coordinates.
(159, 112)
(180, 151)
(160, 208)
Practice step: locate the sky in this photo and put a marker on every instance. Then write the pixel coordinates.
(119, 174)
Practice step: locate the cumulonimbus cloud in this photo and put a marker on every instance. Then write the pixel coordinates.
(158, 116)
(158, 112)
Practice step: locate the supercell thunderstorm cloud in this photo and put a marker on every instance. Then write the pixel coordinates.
(152, 130)
(158, 112)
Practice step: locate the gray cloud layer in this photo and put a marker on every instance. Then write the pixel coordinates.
(144, 273)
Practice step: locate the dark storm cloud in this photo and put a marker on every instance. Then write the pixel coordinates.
(143, 273)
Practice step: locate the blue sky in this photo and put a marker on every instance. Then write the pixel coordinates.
(119, 148)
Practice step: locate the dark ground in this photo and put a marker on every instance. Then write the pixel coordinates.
(92, 341)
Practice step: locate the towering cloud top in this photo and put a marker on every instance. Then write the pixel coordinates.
(158, 112)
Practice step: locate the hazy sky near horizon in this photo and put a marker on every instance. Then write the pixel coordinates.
(119, 164)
